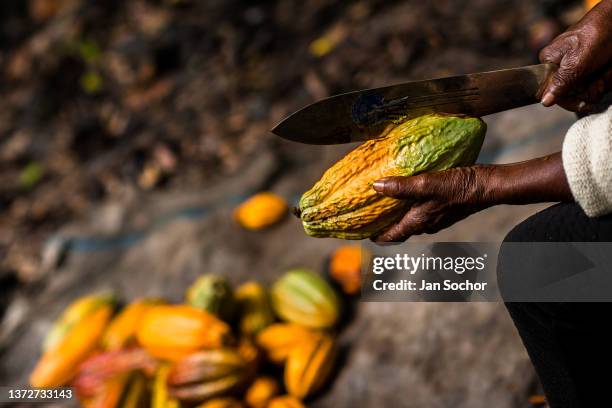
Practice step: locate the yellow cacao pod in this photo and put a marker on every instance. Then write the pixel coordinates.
(222, 403)
(171, 332)
(309, 365)
(343, 204)
(212, 293)
(261, 210)
(207, 374)
(73, 314)
(345, 268)
(121, 331)
(261, 391)
(60, 363)
(161, 398)
(255, 309)
(285, 401)
(305, 298)
(280, 338)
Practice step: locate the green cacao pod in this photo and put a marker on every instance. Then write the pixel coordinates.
(212, 293)
(343, 203)
(304, 298)
(255, 309)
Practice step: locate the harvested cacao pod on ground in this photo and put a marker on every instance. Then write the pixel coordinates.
(255, 308)
(212, 293)
(261, 210)
(343, 204)
(309, 365)
(94, 372)
(60, 363)
(285, 401)
(280, 338)
(303, 297)
(121, 331)
(161, 398)
(261, 391)
(345, 268)
(171, 332)
(207, 374)
(76, 312)
(222, 403)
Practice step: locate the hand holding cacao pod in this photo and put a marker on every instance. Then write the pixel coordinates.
(343, 203)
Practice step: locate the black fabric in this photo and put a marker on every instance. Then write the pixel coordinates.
(570, 344)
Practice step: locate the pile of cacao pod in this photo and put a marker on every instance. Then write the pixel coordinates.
(250, 346)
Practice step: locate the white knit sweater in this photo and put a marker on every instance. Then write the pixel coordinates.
(587, 160)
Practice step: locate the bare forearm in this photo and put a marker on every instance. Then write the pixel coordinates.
(534, 181)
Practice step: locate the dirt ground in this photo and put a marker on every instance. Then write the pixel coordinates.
(130, 129)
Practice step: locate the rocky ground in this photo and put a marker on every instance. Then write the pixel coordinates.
(125, 145)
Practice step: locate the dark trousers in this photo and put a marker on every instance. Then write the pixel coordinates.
(570, 344)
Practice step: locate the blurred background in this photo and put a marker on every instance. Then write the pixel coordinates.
(130, 129)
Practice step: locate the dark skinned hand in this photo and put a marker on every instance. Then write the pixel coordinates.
(584, 56)
(441, 199)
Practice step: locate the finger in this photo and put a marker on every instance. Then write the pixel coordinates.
(412, 187)
(413, 223)
(554, 52)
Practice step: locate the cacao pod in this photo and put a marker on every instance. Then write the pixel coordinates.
(343, 204)
(309, 365)
(280, 338)
(214, 294)
(94, 372)
(171, 332)
(285, 401)
(60, 363)
(261, 210)
(136, 394)
(260, 393)
(207, 374)
(161, 398)
(222, 403)
(345, 268)
(303, 297)
(255, 309)
(121, 331)
(109, 394)
(73, 314)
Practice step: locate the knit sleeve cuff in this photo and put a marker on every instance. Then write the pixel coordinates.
(587, 161)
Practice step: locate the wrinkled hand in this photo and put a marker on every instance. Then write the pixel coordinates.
(584, 56)
(440, 199)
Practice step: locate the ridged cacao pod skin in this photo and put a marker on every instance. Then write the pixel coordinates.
(280, 338)
(76, 312)
(171, 332)
(309, 365)
(207, 374)
(343, 204)
(212, 293)
(285, 401)
(60, 362)
(261, 392)
(255, 309)
(122, 329)
(305, 298)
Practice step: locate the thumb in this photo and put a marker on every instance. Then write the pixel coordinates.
(412, 187)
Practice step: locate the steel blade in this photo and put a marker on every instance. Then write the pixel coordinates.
(363, 115)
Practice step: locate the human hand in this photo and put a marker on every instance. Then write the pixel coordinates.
(584, 56)
(442, 198)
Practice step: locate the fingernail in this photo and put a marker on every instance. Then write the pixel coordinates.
(548, 99)
(378, 185)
